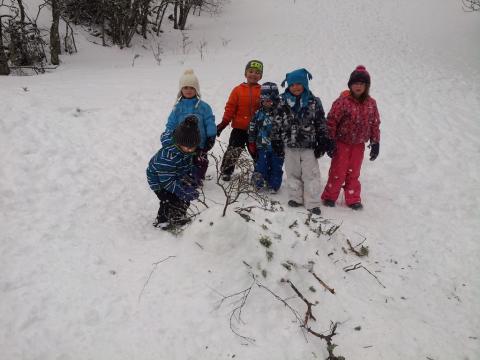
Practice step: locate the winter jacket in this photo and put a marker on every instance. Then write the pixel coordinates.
(306, 128)
(199, 108)
(170, 169)
(243, 102)
(261, 127)
(354, 122)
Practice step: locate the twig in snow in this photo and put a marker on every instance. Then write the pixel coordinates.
(328, 338)
(360, 266)
(363, 250)
(323, 283)
(237, 311)
(308, 313)
(287, 305)
(151, 273)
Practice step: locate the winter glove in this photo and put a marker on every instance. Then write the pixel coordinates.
(374, 150)
(209, 143)
(221, 126)
(277, 148)
(319, 150)
(252, 149)
(332, 149)
(189, 193)
(159, 194)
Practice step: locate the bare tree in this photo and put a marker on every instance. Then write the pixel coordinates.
(241, 185)
(182, 9)
(4, 69)
(471, 5)
(21, 38)
(55, 48)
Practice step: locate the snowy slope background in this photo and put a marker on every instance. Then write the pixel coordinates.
(85, 275)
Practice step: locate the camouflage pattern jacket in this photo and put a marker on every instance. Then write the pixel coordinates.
(264, 127)
(305, 128)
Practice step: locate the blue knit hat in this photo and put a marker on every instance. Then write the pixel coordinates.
(299, 76)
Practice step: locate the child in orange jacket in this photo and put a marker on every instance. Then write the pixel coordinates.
(243, 102)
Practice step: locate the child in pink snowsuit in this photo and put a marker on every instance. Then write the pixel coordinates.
(352, 121)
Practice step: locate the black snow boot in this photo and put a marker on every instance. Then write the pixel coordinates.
(329, 203)
(356, 206)
(293, 203)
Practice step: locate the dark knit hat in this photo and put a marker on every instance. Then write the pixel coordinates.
(187, 133)
(299, 76)
(255, 64)
(360, 74)
(269, 91)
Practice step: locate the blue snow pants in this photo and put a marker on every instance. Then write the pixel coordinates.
(268, 170)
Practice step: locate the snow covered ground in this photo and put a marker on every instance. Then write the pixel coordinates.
(85, 275)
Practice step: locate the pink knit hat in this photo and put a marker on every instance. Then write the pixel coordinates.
(360, 74)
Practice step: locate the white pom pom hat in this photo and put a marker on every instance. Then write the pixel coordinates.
(188, 79)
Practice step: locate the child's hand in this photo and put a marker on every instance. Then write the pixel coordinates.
(190, 193)
(277, 148)
(319, 150)
(374, 150)
(332, 149)
(221, 126)
(210, 143)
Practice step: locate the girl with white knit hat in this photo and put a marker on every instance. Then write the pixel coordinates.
(189, 102)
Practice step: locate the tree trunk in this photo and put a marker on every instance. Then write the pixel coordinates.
(55, 48)
(4, 69)
(175, 17)
(184, 11)
(24, 58)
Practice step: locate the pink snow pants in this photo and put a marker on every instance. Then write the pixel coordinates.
(345, 170)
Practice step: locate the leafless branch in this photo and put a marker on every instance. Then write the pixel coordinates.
(240, 184)
(155, 264)
(471, 5)
(308, 313)
(323, 283)
(360, 266)
(237, 311)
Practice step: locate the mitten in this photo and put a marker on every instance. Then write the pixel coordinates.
(209, 143)
(189, 193)
(332, 149)
(319, 150)
(277, 148)
(374, 150)
(252, 149)
(221, 126)
(159, 194)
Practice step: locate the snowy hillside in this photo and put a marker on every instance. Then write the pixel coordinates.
(86, 276)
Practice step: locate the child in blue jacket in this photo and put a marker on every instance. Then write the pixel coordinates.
(269, 161)
(189, 103)
(168, 174)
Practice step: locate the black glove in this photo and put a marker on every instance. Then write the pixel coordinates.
(319, 150)
(277, 148)
(332, 149)
(209, 143)
(374, 150)
(221, 126)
